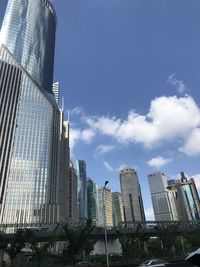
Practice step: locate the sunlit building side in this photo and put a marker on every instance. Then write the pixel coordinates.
(29, 184)
(117, 208)
(162, 199)
(105, 207)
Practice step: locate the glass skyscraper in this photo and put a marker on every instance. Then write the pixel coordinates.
(28, 31)
(81, 191)
(187, 198)
(92, 201)
(29, 115)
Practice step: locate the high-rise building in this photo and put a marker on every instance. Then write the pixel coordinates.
(131, 195)
(72, 195)
(162, 199)
(92, 201)
(187, 198)
(29, 117)
(81, 191)
(63, 170)
(105, 207)
(117, 208)
(28, 31)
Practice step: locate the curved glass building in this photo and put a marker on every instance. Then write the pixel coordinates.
(30, 132)
(28, 31)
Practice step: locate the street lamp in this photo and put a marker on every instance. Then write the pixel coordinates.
(105, 229)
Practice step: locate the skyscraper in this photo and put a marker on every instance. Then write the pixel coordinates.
(29, 119)
(188, 204)
(117, 208)
(92, 201)
(162, 199)
(131, 195)
(81, 190)
(72, 216)
(105, 207)
(28, 31)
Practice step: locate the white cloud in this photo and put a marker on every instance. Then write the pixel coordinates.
(168, 118)
(76, 111)
(158, 162)
(178, 84)
(76, 135)
(108, 166)
(87, 135)
(103, 149)
(192, 144)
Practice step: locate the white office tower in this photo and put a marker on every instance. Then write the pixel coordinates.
(105, 207)
(162, 199)
(117, 207)
(131, 195)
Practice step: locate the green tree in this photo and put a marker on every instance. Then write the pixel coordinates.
(40, 249)
(79, 243)
(14, 247)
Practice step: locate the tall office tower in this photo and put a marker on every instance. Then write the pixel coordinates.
(162, 199)
(29, 117)
(131, 195)
(92, 201)
(28, 31)
(81, 191)
(56, 92)
(72, 195)
(63, 170)
(188, 198)
(105, 207)
(117, 207)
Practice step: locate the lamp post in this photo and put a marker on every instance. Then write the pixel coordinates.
(105, 229)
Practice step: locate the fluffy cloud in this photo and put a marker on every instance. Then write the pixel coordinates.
(158, 162)
(76, 135)
(103, 149)
(178, 84)
(168, 118)
(192, 145)
(108, 166)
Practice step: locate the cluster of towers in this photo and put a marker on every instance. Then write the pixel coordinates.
(172, 200)
(38, 182)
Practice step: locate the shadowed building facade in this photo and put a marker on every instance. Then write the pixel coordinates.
(131, 195)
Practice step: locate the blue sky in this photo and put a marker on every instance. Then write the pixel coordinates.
(130, 76)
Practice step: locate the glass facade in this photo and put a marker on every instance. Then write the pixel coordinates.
(189, 199)
(28, 31)
(92, 201)
(30, 186)
(81, 191)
